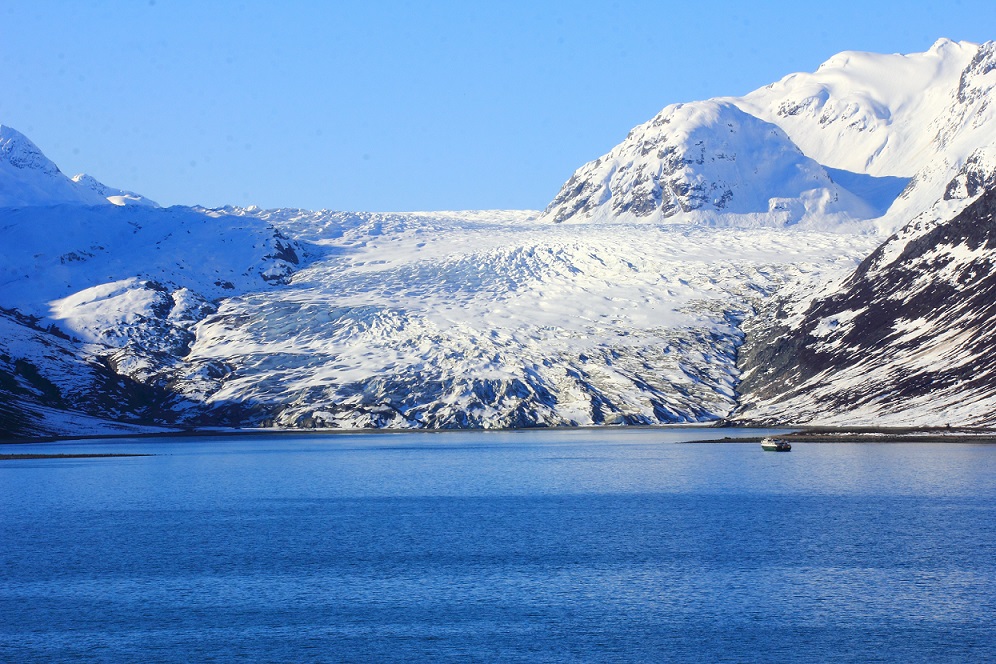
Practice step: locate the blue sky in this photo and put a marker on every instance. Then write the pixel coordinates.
(400, 105)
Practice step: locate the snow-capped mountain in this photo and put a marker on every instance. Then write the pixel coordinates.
(627, 301)
(706, 161)
(906, 341)
(29, 178)
(873, 113)
(923, 116)
(837, 145)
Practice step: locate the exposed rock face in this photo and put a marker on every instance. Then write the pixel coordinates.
(907, 340)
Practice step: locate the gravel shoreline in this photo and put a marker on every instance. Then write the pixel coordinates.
(23, 457)
(875, 435)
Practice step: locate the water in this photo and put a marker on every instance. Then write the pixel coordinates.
(585, 545)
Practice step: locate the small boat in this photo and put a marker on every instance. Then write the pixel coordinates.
(775, 445)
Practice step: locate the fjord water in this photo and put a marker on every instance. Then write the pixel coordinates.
(599, 545)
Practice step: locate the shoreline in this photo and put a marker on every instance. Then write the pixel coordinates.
(875, 435)
(29, 457)
(223, 432)
(801, 434)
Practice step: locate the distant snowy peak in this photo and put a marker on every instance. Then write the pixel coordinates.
(703, 157)
(924, 116)
(28, 178)
(18, 151)
(116, 196)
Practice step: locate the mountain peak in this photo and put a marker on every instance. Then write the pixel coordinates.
(944, 44)
(20, 152)
(29, 178)
(706, 161)
(791, 150)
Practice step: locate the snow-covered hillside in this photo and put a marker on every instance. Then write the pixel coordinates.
(626, 301)
(906, 341)
(707, 162)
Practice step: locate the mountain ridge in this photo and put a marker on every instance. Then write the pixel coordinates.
(923, 117)
(30, 179)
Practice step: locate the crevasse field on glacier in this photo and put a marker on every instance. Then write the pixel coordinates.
(495, 319)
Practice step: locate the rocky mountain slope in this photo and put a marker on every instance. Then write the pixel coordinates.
(96, 302)
(906, 341)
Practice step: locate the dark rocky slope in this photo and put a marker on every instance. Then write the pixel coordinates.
(909, 339)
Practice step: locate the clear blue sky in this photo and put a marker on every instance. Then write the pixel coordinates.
(400, 105)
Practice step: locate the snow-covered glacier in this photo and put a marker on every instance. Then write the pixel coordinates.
(501, 320)
(298, 319)
(628, 300)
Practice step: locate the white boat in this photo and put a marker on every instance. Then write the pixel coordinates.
(775, 445)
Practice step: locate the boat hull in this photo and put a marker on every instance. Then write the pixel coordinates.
(775, 446)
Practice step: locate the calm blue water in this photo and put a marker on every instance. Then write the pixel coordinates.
(615, 545)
